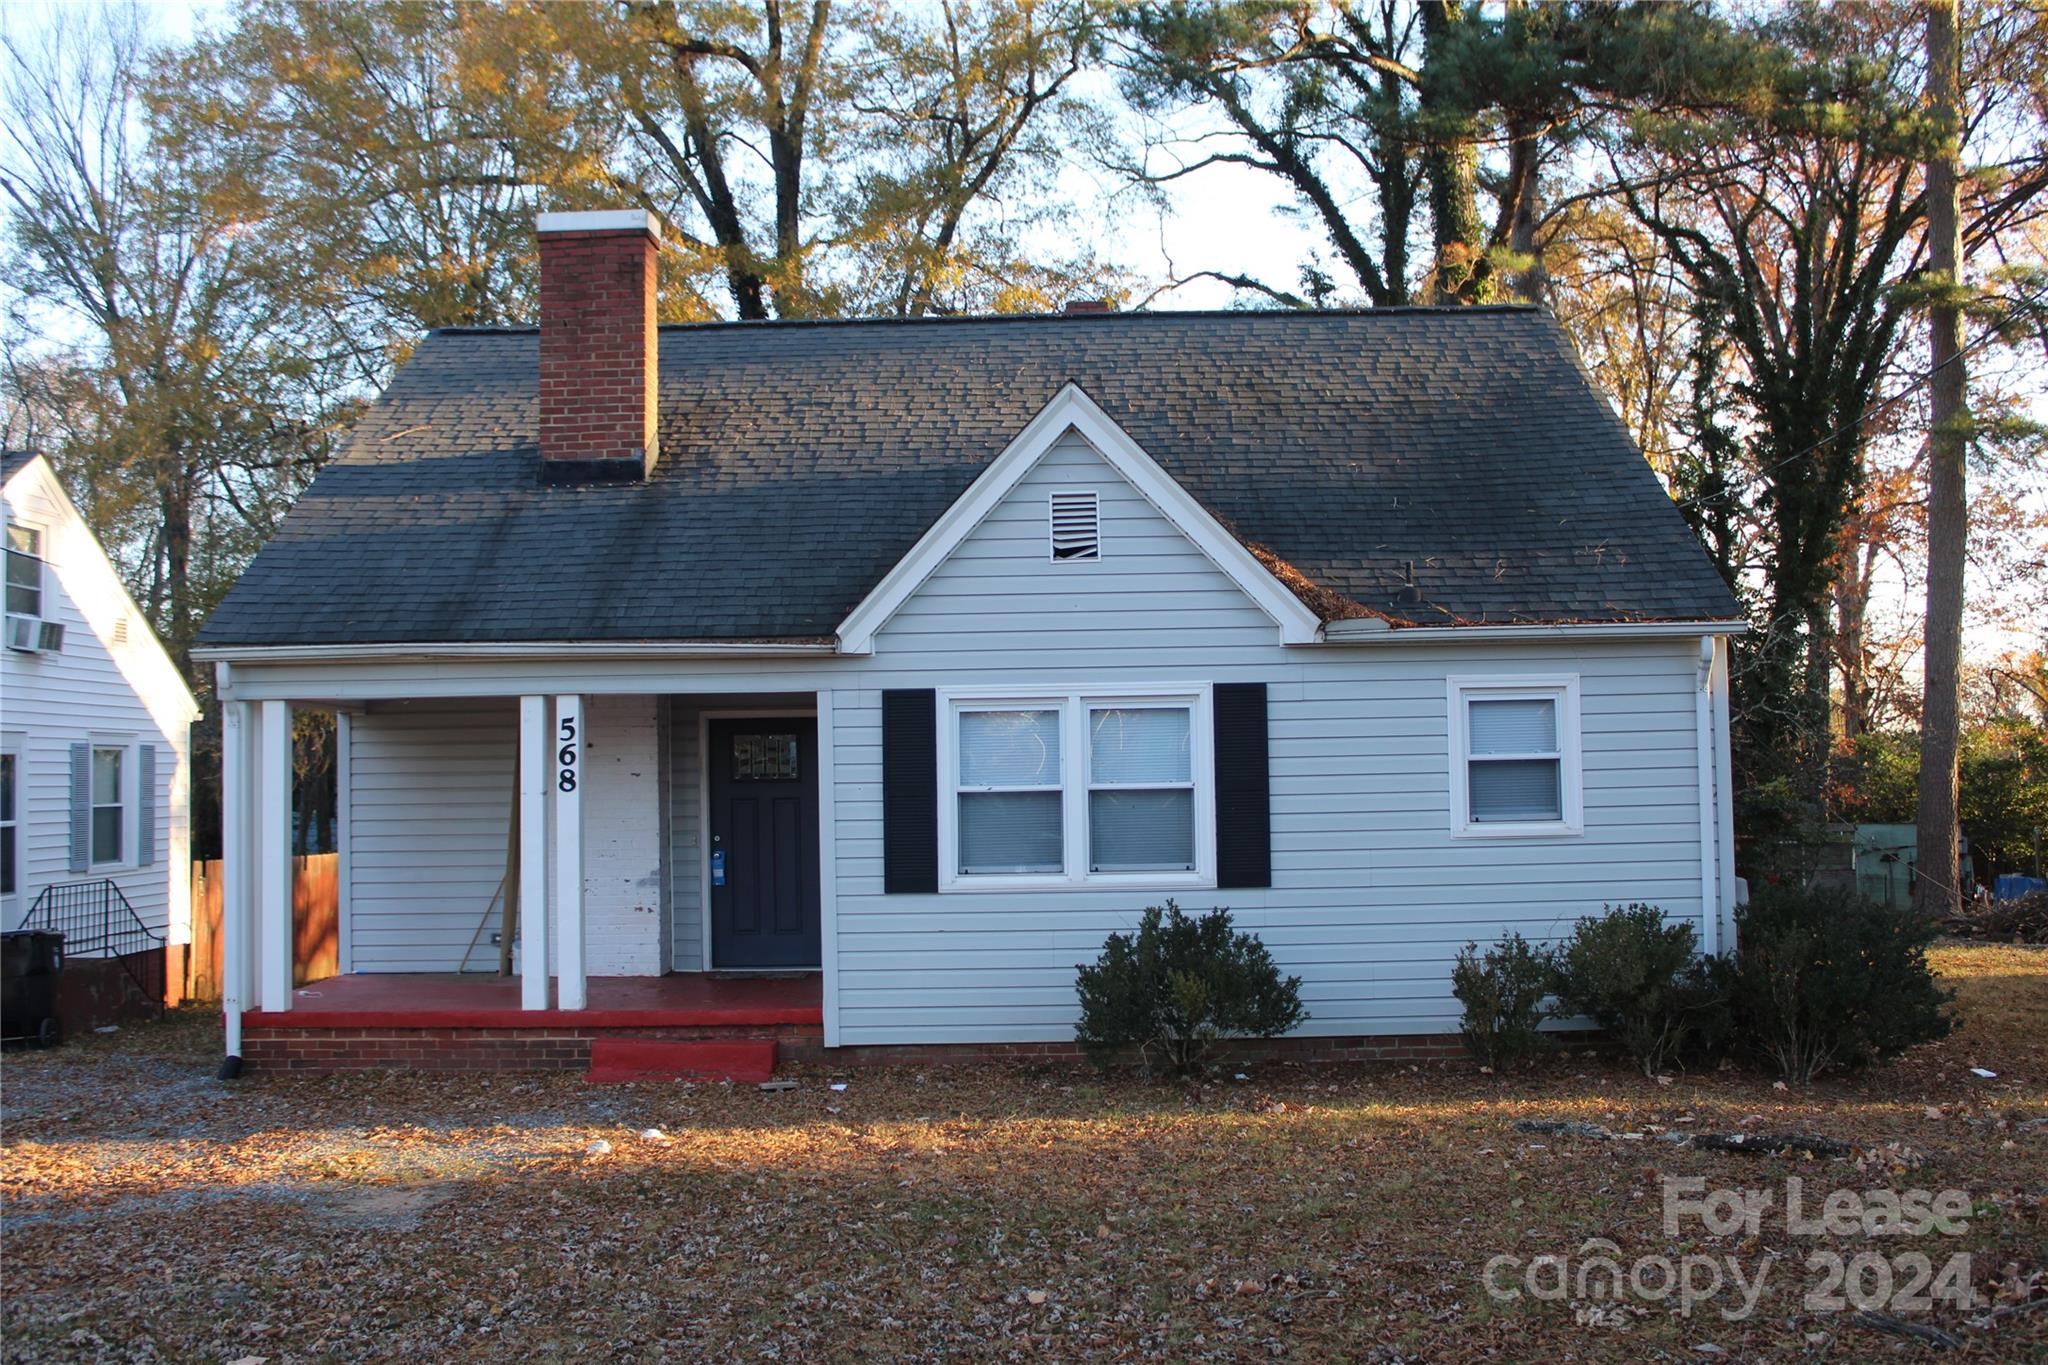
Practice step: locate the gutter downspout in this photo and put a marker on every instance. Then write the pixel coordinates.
(1710, 856)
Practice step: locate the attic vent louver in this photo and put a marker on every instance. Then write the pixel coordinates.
(1076, 526)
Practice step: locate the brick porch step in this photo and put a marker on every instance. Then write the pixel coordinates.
(616, 1060)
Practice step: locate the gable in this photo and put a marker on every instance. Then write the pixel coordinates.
(1148, 522)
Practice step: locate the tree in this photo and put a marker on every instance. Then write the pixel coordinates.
(1938, 888)
(179, 416)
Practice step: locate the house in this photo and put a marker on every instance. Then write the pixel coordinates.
(95, 748)
(914, 658)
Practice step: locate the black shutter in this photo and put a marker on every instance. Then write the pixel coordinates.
(1244, 821)
(910, 791)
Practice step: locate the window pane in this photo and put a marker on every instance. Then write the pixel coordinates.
(765, 758)
(1517, 789)
(26, 539)
(1133, 830)
(1139, 744)
(24, 601)
(106, 834)
(1513, 727)
(1009, 748)
(1010, 832)
(106, 777)
(7, 762)
(8, 874)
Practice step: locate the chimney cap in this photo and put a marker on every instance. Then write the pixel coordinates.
(601, 220)
(1077, 306)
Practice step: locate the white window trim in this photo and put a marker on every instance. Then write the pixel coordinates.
(41, 560)
(131, 776)
(1072, 704)
(1562, 688)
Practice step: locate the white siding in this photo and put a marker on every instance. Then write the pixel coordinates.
(1371, 895)
(686, 856)
(96, 688)
(430, 810)
(623, 933)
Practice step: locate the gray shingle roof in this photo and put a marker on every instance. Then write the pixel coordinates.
(799, 462)
(11, 460)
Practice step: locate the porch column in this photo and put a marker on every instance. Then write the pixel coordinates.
(533, 849)
(274, 855)
(572, 992)
(236, 870)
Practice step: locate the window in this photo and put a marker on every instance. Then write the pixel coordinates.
(765, 758)
(1077, 788)
(109, 806)
(1141, 789)
(24, 571)
(1515, 761)
(10, 850)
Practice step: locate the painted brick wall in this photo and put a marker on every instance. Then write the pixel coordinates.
(623, 933)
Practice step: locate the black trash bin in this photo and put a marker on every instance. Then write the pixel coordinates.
(31, 960)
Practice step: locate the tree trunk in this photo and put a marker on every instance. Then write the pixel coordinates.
(1450, 163)
(1938, 890)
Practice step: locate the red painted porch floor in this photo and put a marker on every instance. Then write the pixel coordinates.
(425, 1001)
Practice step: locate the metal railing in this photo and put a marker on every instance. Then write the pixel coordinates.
(96, 920)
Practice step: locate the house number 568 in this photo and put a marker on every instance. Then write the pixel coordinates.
(565, 757)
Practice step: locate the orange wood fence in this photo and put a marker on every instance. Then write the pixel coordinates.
(316, 925)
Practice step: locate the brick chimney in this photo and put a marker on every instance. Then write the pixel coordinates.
(599, 367)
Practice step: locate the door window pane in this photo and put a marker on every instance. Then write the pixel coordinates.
(8, 777)
(1010, 832)
(1131, 829)
(1139, 745)
(764, 758)
(1009, 748)
(1516, 789)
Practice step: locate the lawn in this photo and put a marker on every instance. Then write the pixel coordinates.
(153, 1212)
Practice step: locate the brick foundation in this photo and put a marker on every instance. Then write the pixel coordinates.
(568, 1049)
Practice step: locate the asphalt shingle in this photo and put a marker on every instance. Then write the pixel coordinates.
(799, 462)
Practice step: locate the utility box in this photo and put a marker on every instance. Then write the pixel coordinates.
(31, 964)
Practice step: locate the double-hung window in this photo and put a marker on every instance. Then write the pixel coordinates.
(10, 822)
(1515, 757)
(109, 803)
(1077, 788)
(24, 571)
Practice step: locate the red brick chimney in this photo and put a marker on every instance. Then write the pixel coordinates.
(599, 368)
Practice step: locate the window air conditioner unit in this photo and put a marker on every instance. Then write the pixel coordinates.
(33, 636)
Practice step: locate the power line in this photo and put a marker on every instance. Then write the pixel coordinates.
(1920, 382)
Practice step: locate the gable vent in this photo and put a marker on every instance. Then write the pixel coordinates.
(1076, 526)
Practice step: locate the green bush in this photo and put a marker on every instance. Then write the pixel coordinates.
(1178, 986)
(1826, 980)
(1503, 994)
(1641, 978)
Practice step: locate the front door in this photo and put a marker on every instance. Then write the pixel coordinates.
(764, 842)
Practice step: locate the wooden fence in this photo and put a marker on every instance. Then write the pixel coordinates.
(316, 925)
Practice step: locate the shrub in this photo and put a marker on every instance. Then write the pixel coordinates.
(1826, 980)
(1179, 985)
(1642, 980)
(1503, 994)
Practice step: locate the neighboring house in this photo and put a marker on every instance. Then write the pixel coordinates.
(95, 747)
(924, 655)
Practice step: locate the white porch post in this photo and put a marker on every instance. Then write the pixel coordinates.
(274, 855)
(236, 923)
(533, 848)
(572, 991)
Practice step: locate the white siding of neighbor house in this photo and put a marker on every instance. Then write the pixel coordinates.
(96, 688)
(1371, 894)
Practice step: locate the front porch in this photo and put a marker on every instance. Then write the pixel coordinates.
(448, 1022)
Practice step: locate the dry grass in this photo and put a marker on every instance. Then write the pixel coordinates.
(1311, 1214)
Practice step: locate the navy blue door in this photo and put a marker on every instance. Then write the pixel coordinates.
(764, 842)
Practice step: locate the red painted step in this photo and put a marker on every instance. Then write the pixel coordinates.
(614, 1060)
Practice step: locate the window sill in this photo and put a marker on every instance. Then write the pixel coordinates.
(1557, 829)
(1094, 881)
